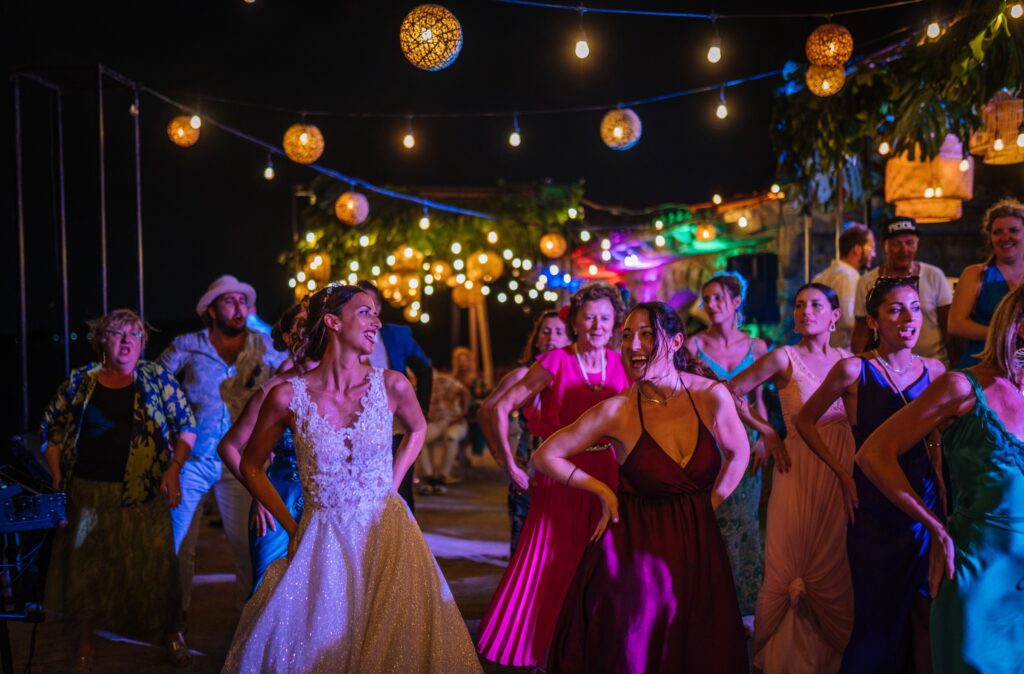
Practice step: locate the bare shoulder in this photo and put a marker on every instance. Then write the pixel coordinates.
(396, 382)
(954, 385)
(849, 368)
(760, 347)
(617, 404)
(935, 367)
(704, 387)
(972, 272)
(280, 396)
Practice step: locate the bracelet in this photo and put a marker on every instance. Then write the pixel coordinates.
(569, 479)
(934, 444)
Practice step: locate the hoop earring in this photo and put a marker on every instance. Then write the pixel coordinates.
(1018, 357)
(832, 326)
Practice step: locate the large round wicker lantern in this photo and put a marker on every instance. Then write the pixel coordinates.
(825, 80)
(303, 143)
(467, 297)
(553, 245)
(484, 266)
(930, 190)
(352, 208)
(621, 128)
(997, 139)
(829, 45)
(431, 37)
(181, 132)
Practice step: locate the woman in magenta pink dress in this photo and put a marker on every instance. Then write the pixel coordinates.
(518, 625)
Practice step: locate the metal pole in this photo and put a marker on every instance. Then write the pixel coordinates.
(62, 214)
(840, 202)
(103, 193)
(138, 198)
(22, 284)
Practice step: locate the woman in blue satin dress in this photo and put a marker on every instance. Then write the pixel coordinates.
(267, 540)
(887, 550)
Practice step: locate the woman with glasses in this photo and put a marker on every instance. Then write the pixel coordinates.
(115, 438)
(887, 550)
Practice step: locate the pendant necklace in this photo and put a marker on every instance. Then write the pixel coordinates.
(604, 370)
(656, 401)
(893, 368)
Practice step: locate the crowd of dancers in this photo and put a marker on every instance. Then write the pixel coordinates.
(894, 527)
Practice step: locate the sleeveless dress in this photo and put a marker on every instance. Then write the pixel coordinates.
(993, 288)
(805, 607)
(738, 516)
(517, 627)
(655, 593)
(283, 473)
(362, 592)
(887, 549)
(978, 617)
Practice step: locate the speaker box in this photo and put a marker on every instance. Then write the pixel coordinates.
(762, 273)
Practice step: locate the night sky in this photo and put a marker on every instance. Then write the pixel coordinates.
(207, 209)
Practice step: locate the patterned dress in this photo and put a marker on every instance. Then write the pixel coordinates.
(362, 593)
(738, 515)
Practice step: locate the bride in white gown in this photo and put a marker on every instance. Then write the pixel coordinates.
(360, 590)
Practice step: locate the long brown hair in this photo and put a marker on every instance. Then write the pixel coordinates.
(1003, 340)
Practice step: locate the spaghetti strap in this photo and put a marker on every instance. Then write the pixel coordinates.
(693, 404)
(640, 410)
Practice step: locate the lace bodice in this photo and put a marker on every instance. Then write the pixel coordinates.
(800, 387)
(348, 468)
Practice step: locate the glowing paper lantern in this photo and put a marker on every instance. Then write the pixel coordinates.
(181, 132)
(553, 245)
(930, 190)
(431, 37)
(829, 45)
(825, 80)
(621, 129)
(484, 266)
(352, 208)
(303, 143)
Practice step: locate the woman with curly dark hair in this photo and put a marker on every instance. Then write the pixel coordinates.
(517, 627)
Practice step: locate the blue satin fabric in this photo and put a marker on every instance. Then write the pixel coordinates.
(284, 475)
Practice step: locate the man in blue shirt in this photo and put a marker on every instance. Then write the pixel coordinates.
(219, 368)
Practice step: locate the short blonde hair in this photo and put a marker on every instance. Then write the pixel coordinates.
(118, 317)
(1003, 340)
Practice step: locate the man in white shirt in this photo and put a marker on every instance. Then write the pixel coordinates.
(856, 253)
(900, 237)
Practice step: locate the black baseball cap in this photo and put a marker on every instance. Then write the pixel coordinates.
(899, 225)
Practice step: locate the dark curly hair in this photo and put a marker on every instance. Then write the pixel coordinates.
(592, 292)
(667, 324)
(312, 338)
(285, 324)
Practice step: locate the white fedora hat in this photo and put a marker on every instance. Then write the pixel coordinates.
(225, 284)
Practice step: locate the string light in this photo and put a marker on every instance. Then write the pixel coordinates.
(492, 237)
(1020, 139)
(514, 138)
(425, 220)
(527, 265)
(998, 144)
(965, 165)
(1016, 10)
(716, 199)
(884, 148)
(605, 244)
(722, 111)
(715, 50)
(310, 237)
(743, 222)
(584, 235)
(364, 241)
(424, 317)
(301, 277)
(502, 297)
(532, 292)
(659, 241)
(311, 284)
(507, 254)
(375, 270)
(195, 122)
(582, 48)
(592, 269)
(659, 224)
(268, 171)
(458, 265)
(775, 188)
(934, 30)
(456, 248)
(410, 140)
(572, 213)
(606, 255)
(292, 283)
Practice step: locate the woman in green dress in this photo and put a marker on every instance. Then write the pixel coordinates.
(977, 560)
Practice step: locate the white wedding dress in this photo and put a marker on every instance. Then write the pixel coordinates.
(363, 593)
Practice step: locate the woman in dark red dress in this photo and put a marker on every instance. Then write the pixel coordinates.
(654, 591)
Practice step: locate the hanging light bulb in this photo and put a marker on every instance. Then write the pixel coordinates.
(722, 111)
(514, 138)
(933, 30)
(1016, 10)
(195, 122)
(965, 165)
(716, 199)
(582, 48)
(999, 144)
(1020, 139)
(492, 237)
(715, 50)
(775, 188)
(268, 171)
(572, 213)
(584, 235)
(425, 220)
(659, 241)
(410, 140)
(883, 148)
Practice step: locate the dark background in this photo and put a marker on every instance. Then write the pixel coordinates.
(208, 211)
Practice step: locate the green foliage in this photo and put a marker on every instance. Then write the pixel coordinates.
(523, 215)
(911, 95)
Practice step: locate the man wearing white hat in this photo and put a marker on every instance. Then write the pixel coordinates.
(219, 367)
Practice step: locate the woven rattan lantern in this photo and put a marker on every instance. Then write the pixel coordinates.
(825, 80)
(352, 208)
(484, 266)
(930, 190)
(621, 129)
(829, 45)
(1001, 118)
(303, 143)
(181, 132)
(431, 37)
(467, 297)
(553, 245)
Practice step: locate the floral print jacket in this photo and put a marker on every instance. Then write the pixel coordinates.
(161, 414)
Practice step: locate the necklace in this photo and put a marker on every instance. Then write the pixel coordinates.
(583, 371)
(893, 368)
(656, 401)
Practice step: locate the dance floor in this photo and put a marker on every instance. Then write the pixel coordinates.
(467, 529)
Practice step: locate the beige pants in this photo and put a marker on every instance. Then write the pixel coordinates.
(443, 438)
